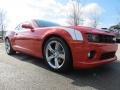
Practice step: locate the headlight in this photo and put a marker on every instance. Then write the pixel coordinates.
(93, 37)
(75, 34)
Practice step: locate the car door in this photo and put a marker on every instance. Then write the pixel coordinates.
(24, 39)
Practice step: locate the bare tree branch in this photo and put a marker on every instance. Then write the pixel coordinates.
(95, 20)
(74, 18)
(2, 22)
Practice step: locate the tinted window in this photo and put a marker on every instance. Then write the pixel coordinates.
(42, 23)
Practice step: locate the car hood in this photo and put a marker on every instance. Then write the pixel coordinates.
(91, 30)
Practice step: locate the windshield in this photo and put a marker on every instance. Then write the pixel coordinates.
(42, 23)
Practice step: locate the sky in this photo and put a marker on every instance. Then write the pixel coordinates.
(57, 11)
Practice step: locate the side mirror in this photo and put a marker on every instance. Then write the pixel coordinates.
(28, 26)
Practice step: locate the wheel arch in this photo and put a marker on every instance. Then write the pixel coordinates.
(54, 35)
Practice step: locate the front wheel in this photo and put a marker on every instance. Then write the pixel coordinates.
(8, 47)
(57, 54)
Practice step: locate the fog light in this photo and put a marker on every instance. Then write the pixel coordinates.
(91, 54)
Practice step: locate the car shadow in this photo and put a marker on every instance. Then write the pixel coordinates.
(106, 77)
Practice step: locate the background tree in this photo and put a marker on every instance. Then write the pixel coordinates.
(2, 22)
(95, 19)
(116, 30)
(74, 17)
(77, 15)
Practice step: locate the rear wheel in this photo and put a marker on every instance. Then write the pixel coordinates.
(8, 47)
(57, 54)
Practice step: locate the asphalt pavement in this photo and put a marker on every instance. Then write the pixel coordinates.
(23, 72)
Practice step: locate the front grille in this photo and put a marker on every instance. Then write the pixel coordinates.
(101, 38)
(106, 39)
(107, 55)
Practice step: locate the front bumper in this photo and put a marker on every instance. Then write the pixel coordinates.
(80, 54)
(94, 63)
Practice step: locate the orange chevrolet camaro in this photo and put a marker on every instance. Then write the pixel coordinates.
(62, 47)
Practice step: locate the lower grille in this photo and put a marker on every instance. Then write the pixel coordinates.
(107, 55)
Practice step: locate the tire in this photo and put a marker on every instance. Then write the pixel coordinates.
(8, 47)
(57, 55)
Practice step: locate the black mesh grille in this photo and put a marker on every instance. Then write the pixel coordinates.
(106, 39)
(107, 55)
(100, 38)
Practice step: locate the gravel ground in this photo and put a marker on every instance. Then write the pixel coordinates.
(23, 72)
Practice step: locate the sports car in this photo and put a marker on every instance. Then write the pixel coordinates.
(62, 47)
